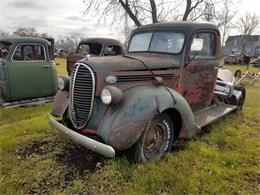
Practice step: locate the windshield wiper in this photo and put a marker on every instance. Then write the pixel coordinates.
(142, 62)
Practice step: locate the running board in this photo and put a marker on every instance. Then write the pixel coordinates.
(210, 114)
(27, 103)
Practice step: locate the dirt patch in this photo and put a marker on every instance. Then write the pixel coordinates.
(204, 131)
(31, 149)
(74, 162)
(180, 145)
(79, 160)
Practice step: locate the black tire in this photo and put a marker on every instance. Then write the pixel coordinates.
(239, 103)
(150, 147)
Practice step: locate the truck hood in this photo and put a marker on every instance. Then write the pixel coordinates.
(129, 62)
(226, 75)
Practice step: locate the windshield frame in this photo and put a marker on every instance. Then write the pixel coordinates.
(153, 31)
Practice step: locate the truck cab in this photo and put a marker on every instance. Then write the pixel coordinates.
(94, 47)
(27, 70)
(167, 86)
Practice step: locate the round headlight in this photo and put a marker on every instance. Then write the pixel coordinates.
(61, 84)
(106, 96)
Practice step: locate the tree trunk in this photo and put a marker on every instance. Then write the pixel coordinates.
(130, 13)
(154, 11)
(187, 10)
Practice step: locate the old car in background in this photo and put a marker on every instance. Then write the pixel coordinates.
(94, 47)
(27, 71)
(167, 86)
(256, 62)
(60, 53)
(237, 58)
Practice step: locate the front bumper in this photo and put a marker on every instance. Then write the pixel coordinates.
(86, 142)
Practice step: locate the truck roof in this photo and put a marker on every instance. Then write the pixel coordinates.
(186, 26)
(15, 40)
(101, 41)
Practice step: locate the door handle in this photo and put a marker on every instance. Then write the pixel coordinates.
(46, 66)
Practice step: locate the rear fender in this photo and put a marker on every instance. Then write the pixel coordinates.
(123, 124)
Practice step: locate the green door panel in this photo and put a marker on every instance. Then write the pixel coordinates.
(31, 79)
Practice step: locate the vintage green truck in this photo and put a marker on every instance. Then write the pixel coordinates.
(167, 86)
(27, 71)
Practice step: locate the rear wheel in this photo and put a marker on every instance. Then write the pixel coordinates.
(156, 140)
(238, 102)
(241, 101)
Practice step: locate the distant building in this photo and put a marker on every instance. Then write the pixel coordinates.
(234, 45)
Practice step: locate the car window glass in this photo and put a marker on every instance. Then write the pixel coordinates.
(112, 50)
(18, 54)
(84, 49)
(140, 42)
(4, 49)
(169, 42)
(207, 48)
(90, 48)
(32, 52)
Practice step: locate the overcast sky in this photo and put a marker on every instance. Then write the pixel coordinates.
(60, 17)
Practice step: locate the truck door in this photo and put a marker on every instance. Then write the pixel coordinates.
(199, 74)
(30, 72)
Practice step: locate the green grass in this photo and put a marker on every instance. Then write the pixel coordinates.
(61, 66)
(225, 159)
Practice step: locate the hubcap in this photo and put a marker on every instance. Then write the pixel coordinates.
(155, 140)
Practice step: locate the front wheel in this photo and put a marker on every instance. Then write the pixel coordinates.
(156, 140)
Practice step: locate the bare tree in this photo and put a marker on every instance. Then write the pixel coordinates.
(189, 8)
(68, 43)
(29, 32)
(224, 17)
(247, 25)
(144, 11)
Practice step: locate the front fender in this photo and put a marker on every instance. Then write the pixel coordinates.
(123, 124)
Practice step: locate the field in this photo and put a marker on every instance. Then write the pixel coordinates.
(223, 159)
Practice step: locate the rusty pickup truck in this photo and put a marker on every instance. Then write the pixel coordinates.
(167, 86)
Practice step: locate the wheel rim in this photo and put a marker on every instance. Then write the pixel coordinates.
(156, 140)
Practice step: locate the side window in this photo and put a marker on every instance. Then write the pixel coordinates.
(112, 50)
(18, 54)
(203, 44)
(33, 52)
(39, 52)
(28, 52)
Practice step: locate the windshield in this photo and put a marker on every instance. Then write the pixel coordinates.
(164, 42)
(4, 49)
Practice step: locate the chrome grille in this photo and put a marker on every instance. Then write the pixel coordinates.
(81, 97)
